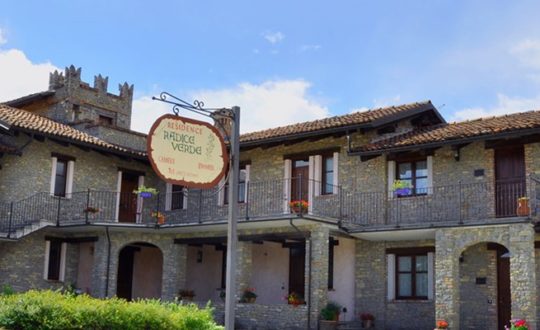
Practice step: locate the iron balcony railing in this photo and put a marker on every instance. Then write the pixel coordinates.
(457, 203)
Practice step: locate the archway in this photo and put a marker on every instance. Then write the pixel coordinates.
(140, 271)
(484, 287)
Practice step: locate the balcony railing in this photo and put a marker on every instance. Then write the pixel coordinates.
(458, 204)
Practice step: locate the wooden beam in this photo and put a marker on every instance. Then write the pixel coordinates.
(73, 240)
(201, 240)
(411, 250)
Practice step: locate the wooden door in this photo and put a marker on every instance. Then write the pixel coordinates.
(300, 180)
(509, 179)
(504, 302)
(297, 268)
(124, 282)
(128, 200)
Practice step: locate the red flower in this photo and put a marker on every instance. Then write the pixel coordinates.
(519, 323)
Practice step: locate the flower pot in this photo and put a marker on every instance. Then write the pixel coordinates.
(250, 300)
(298, 210)
(523, 208)
(366, 324)
(161, 220)
(145, 194)
(402, 192)
(327, 325)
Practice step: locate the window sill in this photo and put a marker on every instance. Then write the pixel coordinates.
(409, 301)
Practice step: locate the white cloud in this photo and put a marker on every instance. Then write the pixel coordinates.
(528, 52)
(274, 37)
(266, 105)
(20, 76)
(505, 105)
(3, 39)
(306, 48)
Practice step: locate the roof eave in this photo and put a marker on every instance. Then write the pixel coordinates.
(85, 144)
(485, 137)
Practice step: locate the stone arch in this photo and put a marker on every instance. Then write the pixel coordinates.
(139, 271)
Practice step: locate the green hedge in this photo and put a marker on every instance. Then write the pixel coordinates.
(55, 310)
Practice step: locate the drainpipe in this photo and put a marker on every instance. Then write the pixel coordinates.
(108, 262)
(308, 302)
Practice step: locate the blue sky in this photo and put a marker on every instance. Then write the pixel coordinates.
(284, 61)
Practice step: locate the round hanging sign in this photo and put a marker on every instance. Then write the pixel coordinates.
(187, 152)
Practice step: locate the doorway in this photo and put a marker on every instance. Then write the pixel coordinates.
(128, 200)
(140, 271)
(297, 269)
(300, 180)
(509, 179)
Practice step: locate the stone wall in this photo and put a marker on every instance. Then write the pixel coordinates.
(26, 175)
(123, 137)
(371, 289)
(478, 302)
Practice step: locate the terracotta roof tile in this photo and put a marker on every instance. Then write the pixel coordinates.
(457, 131)
(30, 121)
(357, 118)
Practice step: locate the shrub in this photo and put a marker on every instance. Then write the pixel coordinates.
(51, 310)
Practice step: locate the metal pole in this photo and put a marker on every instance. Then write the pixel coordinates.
(232, 238)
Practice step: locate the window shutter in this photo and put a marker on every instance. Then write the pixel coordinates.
(221, 194)
(184, 204)
(168, 196)
(69, 180)
(118, 191)
(391, 176)
(63, 252)
(391, 275)
(287, 172)
(430, 174)
(46, 261)
(336, 176)
(317, 175)
(431, 266)
(311, 182)
(140, 201)
(54, 160)
(248, 169)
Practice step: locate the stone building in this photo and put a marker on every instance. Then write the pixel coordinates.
(410, 218)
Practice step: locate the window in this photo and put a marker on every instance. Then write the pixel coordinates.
(55, 255)
(327, 175)
(177, 197)
(243, 178)
(412, 276)
(415, 173)
(62, 175)
(105, 120)
(60, 180)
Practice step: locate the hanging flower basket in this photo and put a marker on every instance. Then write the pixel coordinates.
(299, 207)
(145, 192)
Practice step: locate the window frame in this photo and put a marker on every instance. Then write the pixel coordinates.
(63, 193)
(414, 177)
(177, 195)
(242, 194)
(413, 273)
(324, 172)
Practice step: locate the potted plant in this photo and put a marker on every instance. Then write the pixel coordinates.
(330, 316)
(249, 296)
(523, 208)
(367, 320)
(402, 188)
(222, 295)
(91, 210)
(299, 207)
(295, 299)
(159, 216)
(518, 325)
(441, 324)
(186, 295)
(145, 192)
